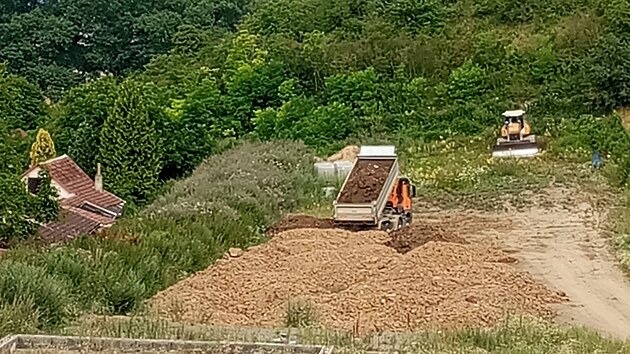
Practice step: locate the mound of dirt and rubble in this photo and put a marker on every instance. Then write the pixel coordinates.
(418, 234)
(366, 181)
(349, 153)
(299, 221)
(356, 278)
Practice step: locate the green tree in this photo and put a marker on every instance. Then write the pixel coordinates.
(325, 125)
(20, 212)
(417, 15)
(362, 92)
(192, 126)
(14, 207)
(609, 70)
(14, 148)
(44, 206)
(38, 45)
(131, 148)
(200, 121)
(21, 102)
(466, 83)
(286, 121)
(251, 80)
(210, 13)
(43, 148)
(80, 119)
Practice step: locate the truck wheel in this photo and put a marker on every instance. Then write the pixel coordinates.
(386, 226)
(400, 223)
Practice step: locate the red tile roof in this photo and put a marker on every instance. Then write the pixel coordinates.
(71, 177)
(69, 226)
(77, 217)
(102, 220)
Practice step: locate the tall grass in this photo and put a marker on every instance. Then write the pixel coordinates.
(513, 335)
(227, 202)
(300, 313)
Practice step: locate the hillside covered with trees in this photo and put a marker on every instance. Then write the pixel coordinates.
(149, 89)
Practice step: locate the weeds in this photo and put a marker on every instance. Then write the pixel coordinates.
(621, 230)
(300, 313)
(19, 316)
(37, 295)
(513, 335)
(461, 172)
(227, 202)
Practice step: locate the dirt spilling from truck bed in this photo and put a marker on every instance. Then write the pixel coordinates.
(299, 221)
(355, 277)
(403, 240)
(366, 181)
(418, 234)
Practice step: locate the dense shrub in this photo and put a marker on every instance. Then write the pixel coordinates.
(605, 134)
(227, 202)
(32, 288)
(317, 71)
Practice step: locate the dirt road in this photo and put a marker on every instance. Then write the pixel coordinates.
(561, 244)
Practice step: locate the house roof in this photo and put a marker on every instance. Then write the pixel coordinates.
(64, 171)
(102, 220)
(86, 210)
(70, 225)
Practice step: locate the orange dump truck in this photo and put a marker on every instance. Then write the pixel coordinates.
(374, 194)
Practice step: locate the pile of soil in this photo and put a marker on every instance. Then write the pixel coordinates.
(416, 235)
(349, 153)
(353, 279)
(298, 221)
(366, 181)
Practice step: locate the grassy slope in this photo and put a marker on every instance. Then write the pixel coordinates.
(516, 335)
(462, 171)
(456, 173)
(228, 202)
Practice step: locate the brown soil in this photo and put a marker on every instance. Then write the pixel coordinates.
(349, 153)
(355, 278)
(403, 240)
(297, 221)
(366, 181)
(563, 241)
(416, 235)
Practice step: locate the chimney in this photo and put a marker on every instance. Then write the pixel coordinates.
(98, 179)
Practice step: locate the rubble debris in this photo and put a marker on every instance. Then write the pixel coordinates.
(349, 153)
(356, 279)
(299, 221)
(418, 234)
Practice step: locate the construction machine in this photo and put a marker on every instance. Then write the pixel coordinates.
(374, 194)
(516, 139)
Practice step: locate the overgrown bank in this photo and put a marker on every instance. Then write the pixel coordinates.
(227, 202)
(514, 335)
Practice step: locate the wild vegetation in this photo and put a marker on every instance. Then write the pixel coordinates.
(320, 72)
(227, 202)
(513, 335)
(150, 89)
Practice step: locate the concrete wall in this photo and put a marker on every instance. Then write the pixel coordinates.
(11, 344)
